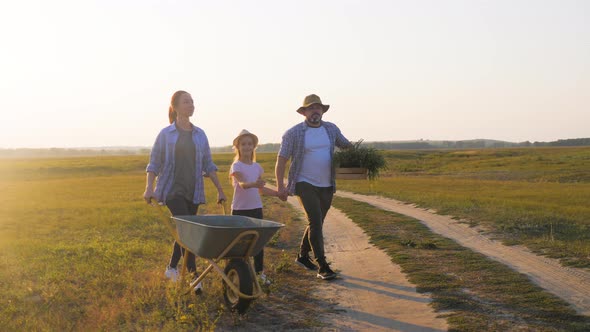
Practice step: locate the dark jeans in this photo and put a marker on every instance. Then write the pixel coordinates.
(254, 213)
(180, 206)
(316, 202)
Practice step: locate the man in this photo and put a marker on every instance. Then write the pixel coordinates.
(310, 146)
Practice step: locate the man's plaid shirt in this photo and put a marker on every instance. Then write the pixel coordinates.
(293, 147)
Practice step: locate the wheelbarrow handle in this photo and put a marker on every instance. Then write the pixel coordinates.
(166, 218)
(223, 204)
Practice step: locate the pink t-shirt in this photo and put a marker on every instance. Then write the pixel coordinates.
(246, 199)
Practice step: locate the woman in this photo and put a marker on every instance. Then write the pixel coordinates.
(179, 159)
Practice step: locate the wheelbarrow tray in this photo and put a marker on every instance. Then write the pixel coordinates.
(208, 236)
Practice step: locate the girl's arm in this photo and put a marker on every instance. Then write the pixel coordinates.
(239, 177)
(268, 192)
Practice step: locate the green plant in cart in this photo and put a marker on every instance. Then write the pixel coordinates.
(363, 157)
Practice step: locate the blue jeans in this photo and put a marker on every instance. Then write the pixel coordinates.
(316, 202)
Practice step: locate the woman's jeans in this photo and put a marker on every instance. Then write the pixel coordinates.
(179, 206)
(316, 202)
(254, 213)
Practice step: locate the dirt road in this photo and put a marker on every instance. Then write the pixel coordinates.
(570, 284)
(371, 293)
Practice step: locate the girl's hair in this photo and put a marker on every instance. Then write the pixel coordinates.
(173, 103)
(238, 155)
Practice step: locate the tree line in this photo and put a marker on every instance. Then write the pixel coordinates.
(274, 147)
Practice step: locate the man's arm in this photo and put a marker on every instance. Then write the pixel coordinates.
(280, 177)
(342, 142)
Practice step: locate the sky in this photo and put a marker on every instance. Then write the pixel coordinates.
(101, 73)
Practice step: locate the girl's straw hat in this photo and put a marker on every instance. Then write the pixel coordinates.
(310, 100)
(243, 133)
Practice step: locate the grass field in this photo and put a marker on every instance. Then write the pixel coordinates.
(538, 197)
(80, 250)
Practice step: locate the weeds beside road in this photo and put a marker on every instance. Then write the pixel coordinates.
(537, 197)
(472, 291)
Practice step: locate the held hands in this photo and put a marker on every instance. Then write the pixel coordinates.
(283, 194)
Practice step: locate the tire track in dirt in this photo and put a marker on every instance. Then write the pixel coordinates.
(570, 284)
(371, 293)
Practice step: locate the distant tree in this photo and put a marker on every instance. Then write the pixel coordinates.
(571, 142)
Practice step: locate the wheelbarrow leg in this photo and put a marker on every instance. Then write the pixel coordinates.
(184, 269)
(205, 272)
(258, 289)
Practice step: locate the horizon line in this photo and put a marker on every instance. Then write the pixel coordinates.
(135, 147)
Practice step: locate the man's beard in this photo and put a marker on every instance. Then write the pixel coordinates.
(315, 119)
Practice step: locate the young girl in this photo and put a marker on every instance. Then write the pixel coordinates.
(247, 181)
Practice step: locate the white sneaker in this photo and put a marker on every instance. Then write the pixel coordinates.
(264, 278)
(172, 273)
(199, 288)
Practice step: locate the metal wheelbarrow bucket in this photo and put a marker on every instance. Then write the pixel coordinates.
(236, 238)
(212, 236)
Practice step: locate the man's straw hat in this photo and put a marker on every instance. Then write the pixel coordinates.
(243, 133)
(310, 100)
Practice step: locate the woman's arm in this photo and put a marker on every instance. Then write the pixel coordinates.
(149, 187)
(220, 195)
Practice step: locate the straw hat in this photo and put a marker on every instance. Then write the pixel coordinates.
(310, 100)
(243, 133)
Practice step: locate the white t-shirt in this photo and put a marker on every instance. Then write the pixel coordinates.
(246, 199)
(317, 161)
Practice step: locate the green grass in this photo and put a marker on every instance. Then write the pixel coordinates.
(536, 197)
(522, 164)
(473, 292)
(80, 250)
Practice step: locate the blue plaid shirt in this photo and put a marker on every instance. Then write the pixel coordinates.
(162, 162)
(293, 147)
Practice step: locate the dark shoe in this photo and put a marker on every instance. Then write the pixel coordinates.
(198, 289)
(305, 262)
(326, 273)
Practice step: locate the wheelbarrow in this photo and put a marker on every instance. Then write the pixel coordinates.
(231, 238)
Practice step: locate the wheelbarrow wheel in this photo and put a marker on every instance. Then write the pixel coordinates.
(238, 272)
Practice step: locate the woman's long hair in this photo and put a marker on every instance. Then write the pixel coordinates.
(173, 104)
